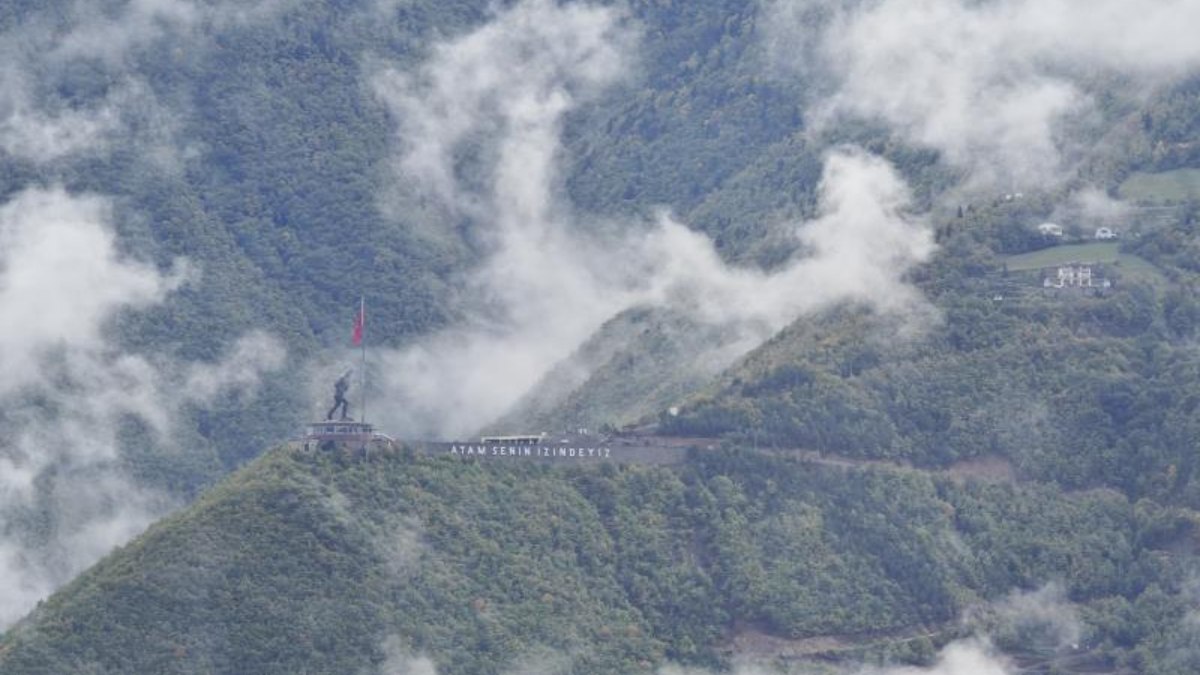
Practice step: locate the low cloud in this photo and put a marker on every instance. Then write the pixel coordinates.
(511, 80)
(33, 132)
(398, 661)
(972, 656)
(110, 34)
(240, 371)
(1094, 207)
(857, 249)
(1001, 89)
(70, 395)
(964, 657)
(480, 124)
(44, 54)
(1044, 615)
(1041, 613)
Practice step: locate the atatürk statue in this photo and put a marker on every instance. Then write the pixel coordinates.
(339, 396)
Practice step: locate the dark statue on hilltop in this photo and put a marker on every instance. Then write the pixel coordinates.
(339, 397)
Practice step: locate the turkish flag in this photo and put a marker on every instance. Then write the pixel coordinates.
(360, 322)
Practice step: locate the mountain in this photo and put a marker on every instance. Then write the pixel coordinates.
(1085, 389)
(233, 170)
(803, 236)
(329, 562)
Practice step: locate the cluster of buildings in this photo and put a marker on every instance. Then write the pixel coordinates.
(1056, 230)
(1079, 277)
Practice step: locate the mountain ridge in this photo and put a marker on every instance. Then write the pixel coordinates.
(334, 556)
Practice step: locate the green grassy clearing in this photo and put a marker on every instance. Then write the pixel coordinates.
(1106, 253)
(1167, 186)
(1093, 252)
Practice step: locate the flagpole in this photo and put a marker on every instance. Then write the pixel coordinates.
(362, 315)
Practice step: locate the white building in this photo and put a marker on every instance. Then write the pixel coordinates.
(1074, 277)
(1051, 229)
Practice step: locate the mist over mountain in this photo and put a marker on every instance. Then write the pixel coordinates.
(847, 232)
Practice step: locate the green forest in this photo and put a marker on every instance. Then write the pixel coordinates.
(868, 486)
(318, 560)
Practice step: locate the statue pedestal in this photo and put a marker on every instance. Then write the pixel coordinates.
(339, 431)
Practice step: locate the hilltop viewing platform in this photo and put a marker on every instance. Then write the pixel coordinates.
(350, 436)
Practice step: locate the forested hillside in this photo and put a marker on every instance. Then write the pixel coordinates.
(242, 163)
(330, 563)
(851, 234)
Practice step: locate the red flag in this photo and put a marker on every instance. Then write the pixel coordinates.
(360, 322)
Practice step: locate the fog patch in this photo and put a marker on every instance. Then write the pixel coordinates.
(964, 657)
(70, 398)
(110, 34)
(480, 125)
(239, 371)
(398, 660)
(857, 249)
(402, 546)
(1091, 208)
(1044, 614)
(68, 86)
(971, 656)
(31, 132)
(1001, 89)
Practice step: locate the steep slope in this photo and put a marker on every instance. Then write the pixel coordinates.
(329, 563)
(637, 365)
(246, 141)
(251, 143)
(254, 146)
(1083, 388)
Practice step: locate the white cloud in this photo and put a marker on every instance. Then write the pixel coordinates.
(508, 83)
(858, 249)
(511, 79)
(67, 393)
(62, 279)
(965, 657)
(971, 656)
(480, 123)
(32, 133)
(110, 35)
(997, 87)
(240, 370)
(397, 661)
(1045, 615)
(38, 124)
(1096, 207)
